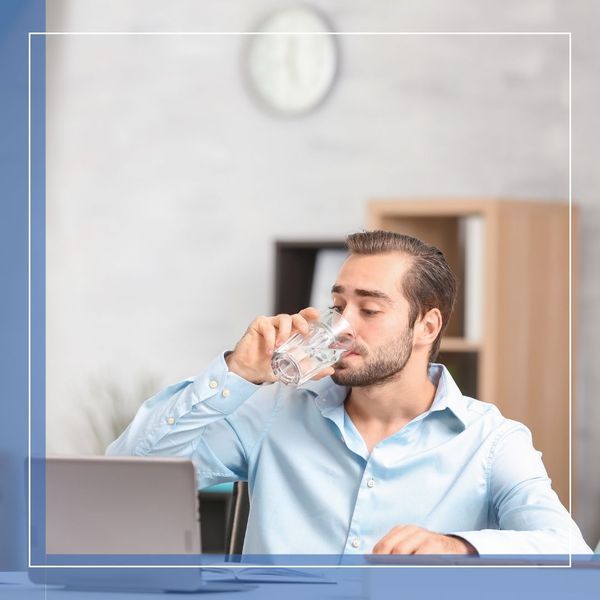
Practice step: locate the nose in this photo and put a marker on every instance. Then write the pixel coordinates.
(349, 316)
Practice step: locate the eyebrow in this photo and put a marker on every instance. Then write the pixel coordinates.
(339, 289)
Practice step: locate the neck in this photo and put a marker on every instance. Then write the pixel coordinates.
(382, 409)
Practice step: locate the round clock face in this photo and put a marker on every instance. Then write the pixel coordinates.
(292, 61)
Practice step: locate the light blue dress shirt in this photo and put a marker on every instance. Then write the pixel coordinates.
(459, 468)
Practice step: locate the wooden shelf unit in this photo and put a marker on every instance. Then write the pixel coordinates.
(459, 344)
(521, 361)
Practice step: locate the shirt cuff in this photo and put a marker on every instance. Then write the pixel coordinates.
(222, 390)
(482, 541)
(501, 541)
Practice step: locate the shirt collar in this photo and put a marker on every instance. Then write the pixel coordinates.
(329, 396)
(447, 394)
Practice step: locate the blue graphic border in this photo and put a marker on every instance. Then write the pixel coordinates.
(26, 16)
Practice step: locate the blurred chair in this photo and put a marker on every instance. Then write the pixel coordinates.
(237, 520)
(214, 505)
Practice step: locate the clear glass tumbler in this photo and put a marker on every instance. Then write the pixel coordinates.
(302, 357)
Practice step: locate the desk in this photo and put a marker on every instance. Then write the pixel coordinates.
(581, 581)
(349, 587)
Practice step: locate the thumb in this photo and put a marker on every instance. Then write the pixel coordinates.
(325, 373)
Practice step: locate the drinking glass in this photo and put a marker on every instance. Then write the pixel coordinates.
(301, 357)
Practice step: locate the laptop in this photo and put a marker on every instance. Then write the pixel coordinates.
(124, 506)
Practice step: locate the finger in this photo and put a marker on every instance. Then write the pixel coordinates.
(325, 373)
(427, 547)
(436, 543)
(396, 539)
(268, 332)
(311, 313)
(284, 328)
(270, 377)
(387, 542)
(300, 324)
(411, 543)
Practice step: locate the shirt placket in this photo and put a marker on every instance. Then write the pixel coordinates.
(364, 514)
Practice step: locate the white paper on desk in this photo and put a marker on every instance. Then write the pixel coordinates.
(14, 578)
(280, 575)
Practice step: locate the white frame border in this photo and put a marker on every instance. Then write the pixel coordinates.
(248, 33)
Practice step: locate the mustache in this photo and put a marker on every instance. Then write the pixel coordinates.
(360, 349)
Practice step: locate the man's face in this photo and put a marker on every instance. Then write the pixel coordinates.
(368, 293)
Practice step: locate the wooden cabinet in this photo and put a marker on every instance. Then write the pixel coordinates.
(512, 260)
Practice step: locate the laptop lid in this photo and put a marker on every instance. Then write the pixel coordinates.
(121, 505)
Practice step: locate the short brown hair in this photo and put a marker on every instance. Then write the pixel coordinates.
(428, 283)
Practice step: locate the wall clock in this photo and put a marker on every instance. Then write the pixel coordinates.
(291, 63)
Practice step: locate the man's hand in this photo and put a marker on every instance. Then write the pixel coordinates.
(410, 539)
(251, 358)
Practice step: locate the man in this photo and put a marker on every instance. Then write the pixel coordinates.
(381, 453)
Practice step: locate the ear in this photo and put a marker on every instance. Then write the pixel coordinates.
(428, 327)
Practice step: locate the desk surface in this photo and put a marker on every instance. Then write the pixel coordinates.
(372, 583)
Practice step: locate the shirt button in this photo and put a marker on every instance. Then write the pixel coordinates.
(170, 420)
(213, 384)
(356, 542)
(225, 393)
(371, 483)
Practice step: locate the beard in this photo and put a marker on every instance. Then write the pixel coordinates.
(383, 364)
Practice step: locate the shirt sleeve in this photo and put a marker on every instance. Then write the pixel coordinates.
(528, 512)
(179, 420)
